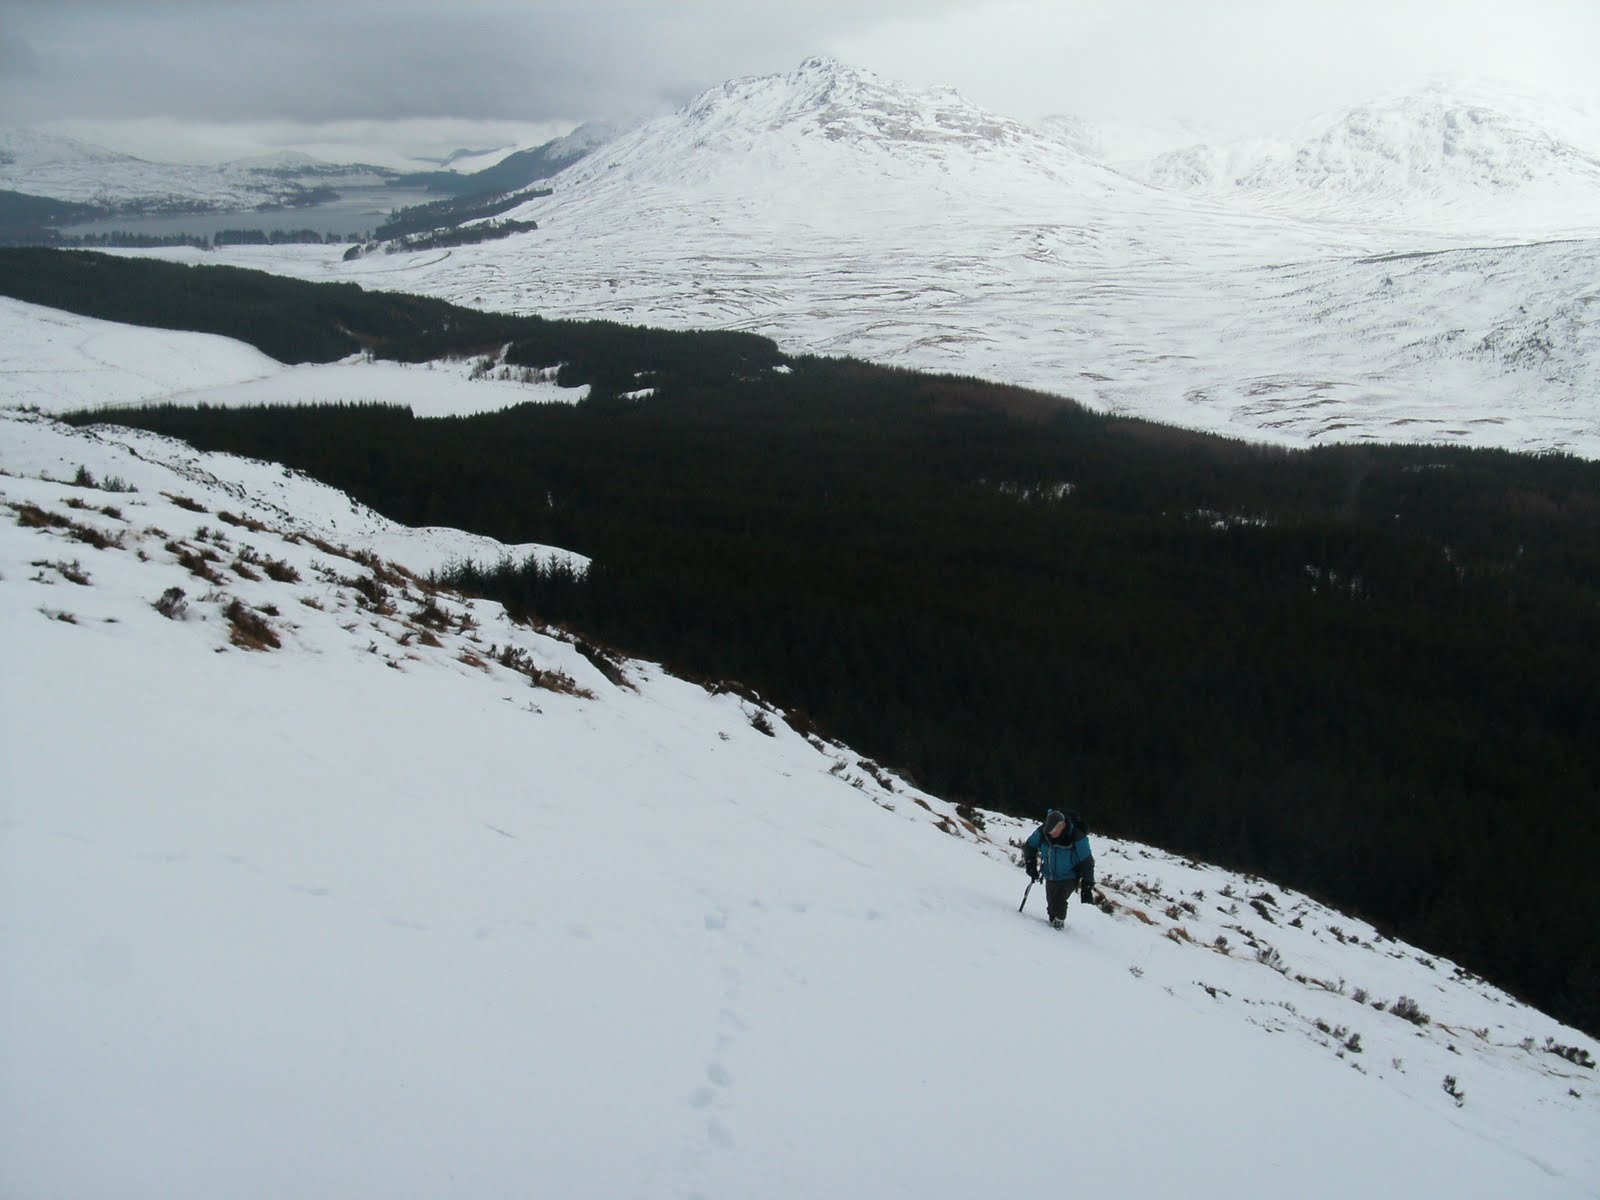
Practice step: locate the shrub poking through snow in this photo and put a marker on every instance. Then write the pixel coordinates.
(1409, 1010)
(372, 592)
(31, 516)
(431, 615)
(72, 572)
(604, 662)
(279, 571)
(250, 523)
(249, 629)
(186, 503)
(1573, 1054)
(173, 605)
(196, 561)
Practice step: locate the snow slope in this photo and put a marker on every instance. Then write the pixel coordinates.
(371, 913)
(840, 213)
(60, 362)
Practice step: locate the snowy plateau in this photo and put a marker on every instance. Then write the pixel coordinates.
(1423, 269)
(318, 880)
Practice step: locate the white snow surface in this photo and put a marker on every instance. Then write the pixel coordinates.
(60, 362)
(369, 915)
(840, 213)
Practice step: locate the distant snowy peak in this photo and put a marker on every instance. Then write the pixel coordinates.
(585, 139)
(62, 168)
(23, 150)
(1445, 145)
(845, 103)
(828, 137)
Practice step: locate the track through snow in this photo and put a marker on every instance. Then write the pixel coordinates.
(370, 914)
(841, 214)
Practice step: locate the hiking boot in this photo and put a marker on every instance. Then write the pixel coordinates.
(1057, 923)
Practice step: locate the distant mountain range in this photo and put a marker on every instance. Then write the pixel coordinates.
(1417, 269)
(1448, 156)
(74, 181)
(60, 168)
(841, 213)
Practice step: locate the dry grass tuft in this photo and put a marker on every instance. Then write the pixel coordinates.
(249, 629)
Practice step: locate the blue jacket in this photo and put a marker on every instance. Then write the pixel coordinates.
(1060, 860)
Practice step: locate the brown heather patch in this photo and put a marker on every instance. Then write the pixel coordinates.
(31, 516)
(250, 523)
(249, 629)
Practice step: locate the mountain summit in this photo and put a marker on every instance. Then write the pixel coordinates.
(844, 103)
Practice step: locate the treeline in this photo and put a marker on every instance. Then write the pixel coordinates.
(127, 239)
(470, 235)
(295, 322)
(27, 220)
(441, 214)
(1366, 672)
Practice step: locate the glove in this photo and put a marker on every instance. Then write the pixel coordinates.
(1086, 893)
(1032, 868)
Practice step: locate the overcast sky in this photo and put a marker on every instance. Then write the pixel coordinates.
(153, 76)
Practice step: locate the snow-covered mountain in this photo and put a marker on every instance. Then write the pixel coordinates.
(840, 213)
(1452, 155)
(314, 878)
(62, 168)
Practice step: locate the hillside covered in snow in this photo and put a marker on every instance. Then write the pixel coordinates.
(844, 214)
(318, 878)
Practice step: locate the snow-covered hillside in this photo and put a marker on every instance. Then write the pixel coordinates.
(58, 362)
(64, 168)
(316, 880)
(843, 214)
(1467, 158)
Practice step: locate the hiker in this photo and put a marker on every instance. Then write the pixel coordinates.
(1067, 862)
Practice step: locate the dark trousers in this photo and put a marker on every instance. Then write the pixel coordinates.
(1056, 894)
(1058, 891)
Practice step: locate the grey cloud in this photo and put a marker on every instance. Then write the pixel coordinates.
(295, 60)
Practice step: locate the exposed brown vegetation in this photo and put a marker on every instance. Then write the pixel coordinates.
(249, 629)
(250, 523)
